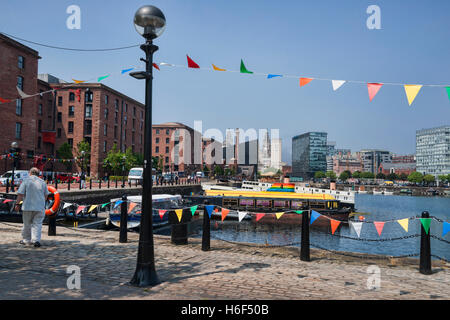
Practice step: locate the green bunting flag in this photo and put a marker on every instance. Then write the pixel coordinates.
(426, 223)
(193, 209)
(448, 92)
(299, 211)
(101, 78)
(105, 204)
(243, 68)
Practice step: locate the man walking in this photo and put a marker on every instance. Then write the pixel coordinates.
(33, 192)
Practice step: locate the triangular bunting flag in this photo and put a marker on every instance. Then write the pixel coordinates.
(224, 213)
(209, 209)
(445, 228)
(241, 215)
(7, 200)
(22, 94)
(299, 211)
(67, 205)
(126, 70)
(270, 76)
(92, 208)
(379, 226)
(5, 100)
(191, 63)
(314, 216)
(131, 206)
(179, 213)
(334, 224)
(279, 214)
(337, 84)
(218, 69)
(426, 223)
(165, 64)
(105, 204)
(101, 78)
(305, 81)
(373, 89)
(404, 223)
(117, 203)
(243, 68)
(411, 92)
(156, 66)
(259, 216)
(448, 92)
(78, 81)
(80, 208)
(357, 226)
(161, 213)
(193, 209)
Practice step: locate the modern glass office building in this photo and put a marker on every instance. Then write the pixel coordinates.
(309, 155)
(433, 151)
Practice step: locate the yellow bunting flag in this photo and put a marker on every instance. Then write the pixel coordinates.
(411, 91)
(132, 206)
(179, 213)
(78, 81)
(218, 69)
(279, 214)
(404, 223)
(92, 208)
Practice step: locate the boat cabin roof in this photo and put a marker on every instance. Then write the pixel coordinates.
(155, 197)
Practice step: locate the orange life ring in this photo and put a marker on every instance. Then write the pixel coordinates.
(56, 203)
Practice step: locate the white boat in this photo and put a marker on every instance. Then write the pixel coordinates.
(160, 201)
(377, 192)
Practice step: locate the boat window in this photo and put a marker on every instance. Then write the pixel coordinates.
(280, 204)
(297, 204)
(230, 202)
(247, 203)
(263, 203)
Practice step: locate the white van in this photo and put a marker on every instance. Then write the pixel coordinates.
(200, 174)
(136, 175)
(19, 176)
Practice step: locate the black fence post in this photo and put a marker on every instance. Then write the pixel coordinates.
(68, 183)
(179, 234)
(425, 248)
(206, 234)
(100, 183)
(116, 182)
(108, 182)
(123, 220)
(56, 184)
(90, 183)
(7, 185)
(52, 225)
(304, 249)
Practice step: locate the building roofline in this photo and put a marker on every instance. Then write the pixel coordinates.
(19, 45)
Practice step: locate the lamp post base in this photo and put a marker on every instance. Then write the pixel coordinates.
(145, 276)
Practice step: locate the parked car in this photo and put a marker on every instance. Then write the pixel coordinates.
(65, 177)
(19, 176)
(136, 175)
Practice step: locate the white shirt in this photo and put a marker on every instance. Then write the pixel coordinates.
(35, 192)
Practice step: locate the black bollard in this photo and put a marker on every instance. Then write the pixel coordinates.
(56, 184)
(52, 225)
(206, 234)
(7, 185)
(123, 220)
(304, 249)
(99, 183)
(68, 183)
(108, 182)
(179, 234)
(116, 182)
(425, 248)
(90, 183)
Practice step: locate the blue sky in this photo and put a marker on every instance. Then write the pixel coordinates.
(324, 39)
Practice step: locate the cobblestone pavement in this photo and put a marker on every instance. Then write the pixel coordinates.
(228, 271)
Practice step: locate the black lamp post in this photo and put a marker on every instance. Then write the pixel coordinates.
(123, 171)
(14, 146)
(149, 22)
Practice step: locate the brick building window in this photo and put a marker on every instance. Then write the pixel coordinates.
(134, 123)
(18, 130)
(157, 149)
(88, 111)
(125, 108)
(105, 129)
(132, 137)
(21, 62)
(157, 131)
(71, 111)
(167, 160)
(106, 99)
(116, 105)
(39, 125)
(70, 142)
(39, 142)
(59, 101)
(71, 96)
(87, 127)
(40, 109)
(125, 120)
(70, 127)
(106, 113)
(105, 143)
(167, 140)
(19, 107)
(20, 82)
(59, 117)
(167, 131)
(115, 132)
(157, 140)
(134, 111)
(88, 96)
(116, 117)
(167, 149)
(59, 133)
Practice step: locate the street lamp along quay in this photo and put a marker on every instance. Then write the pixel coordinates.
(14, 146)
(150, 23)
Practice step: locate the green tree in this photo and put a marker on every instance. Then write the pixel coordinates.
(381, 175)
(83, 155)
(206, 170)
(367, 175)
(130, 159)
(331, 175)
(319, 175)
(64, 152)
(403, 176)
(428, 178)
(344, 175)
(392, 176)
(356, 174)
(218, 170)
(113, 160)
(415, 177)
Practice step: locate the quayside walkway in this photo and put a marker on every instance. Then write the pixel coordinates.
(227, 271)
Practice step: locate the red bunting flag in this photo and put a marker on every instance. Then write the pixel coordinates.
(161, 213)
(156, 66)
(4, 100)
(305, 81)
(334, 225)
(373, 89)
(224, 213)
(259, 216)
(7, 200)
(379, 226)
(191, 63)
(79, 209)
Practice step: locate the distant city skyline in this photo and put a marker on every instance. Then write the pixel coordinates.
(326, 40)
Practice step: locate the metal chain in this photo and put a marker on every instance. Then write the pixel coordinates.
(440, 239)
(440, 258)
(257, 245)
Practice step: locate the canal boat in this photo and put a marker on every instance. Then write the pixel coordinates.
(160, 201)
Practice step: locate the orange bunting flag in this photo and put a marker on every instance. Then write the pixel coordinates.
(78, 81)
(224, 213)
(161, 213)
(379, 226)
(259, 216)
(131, 207)
(334, 225)
(218, 69)
(305, 81)
(373, 89)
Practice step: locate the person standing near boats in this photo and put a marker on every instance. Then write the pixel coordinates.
(33, 192)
